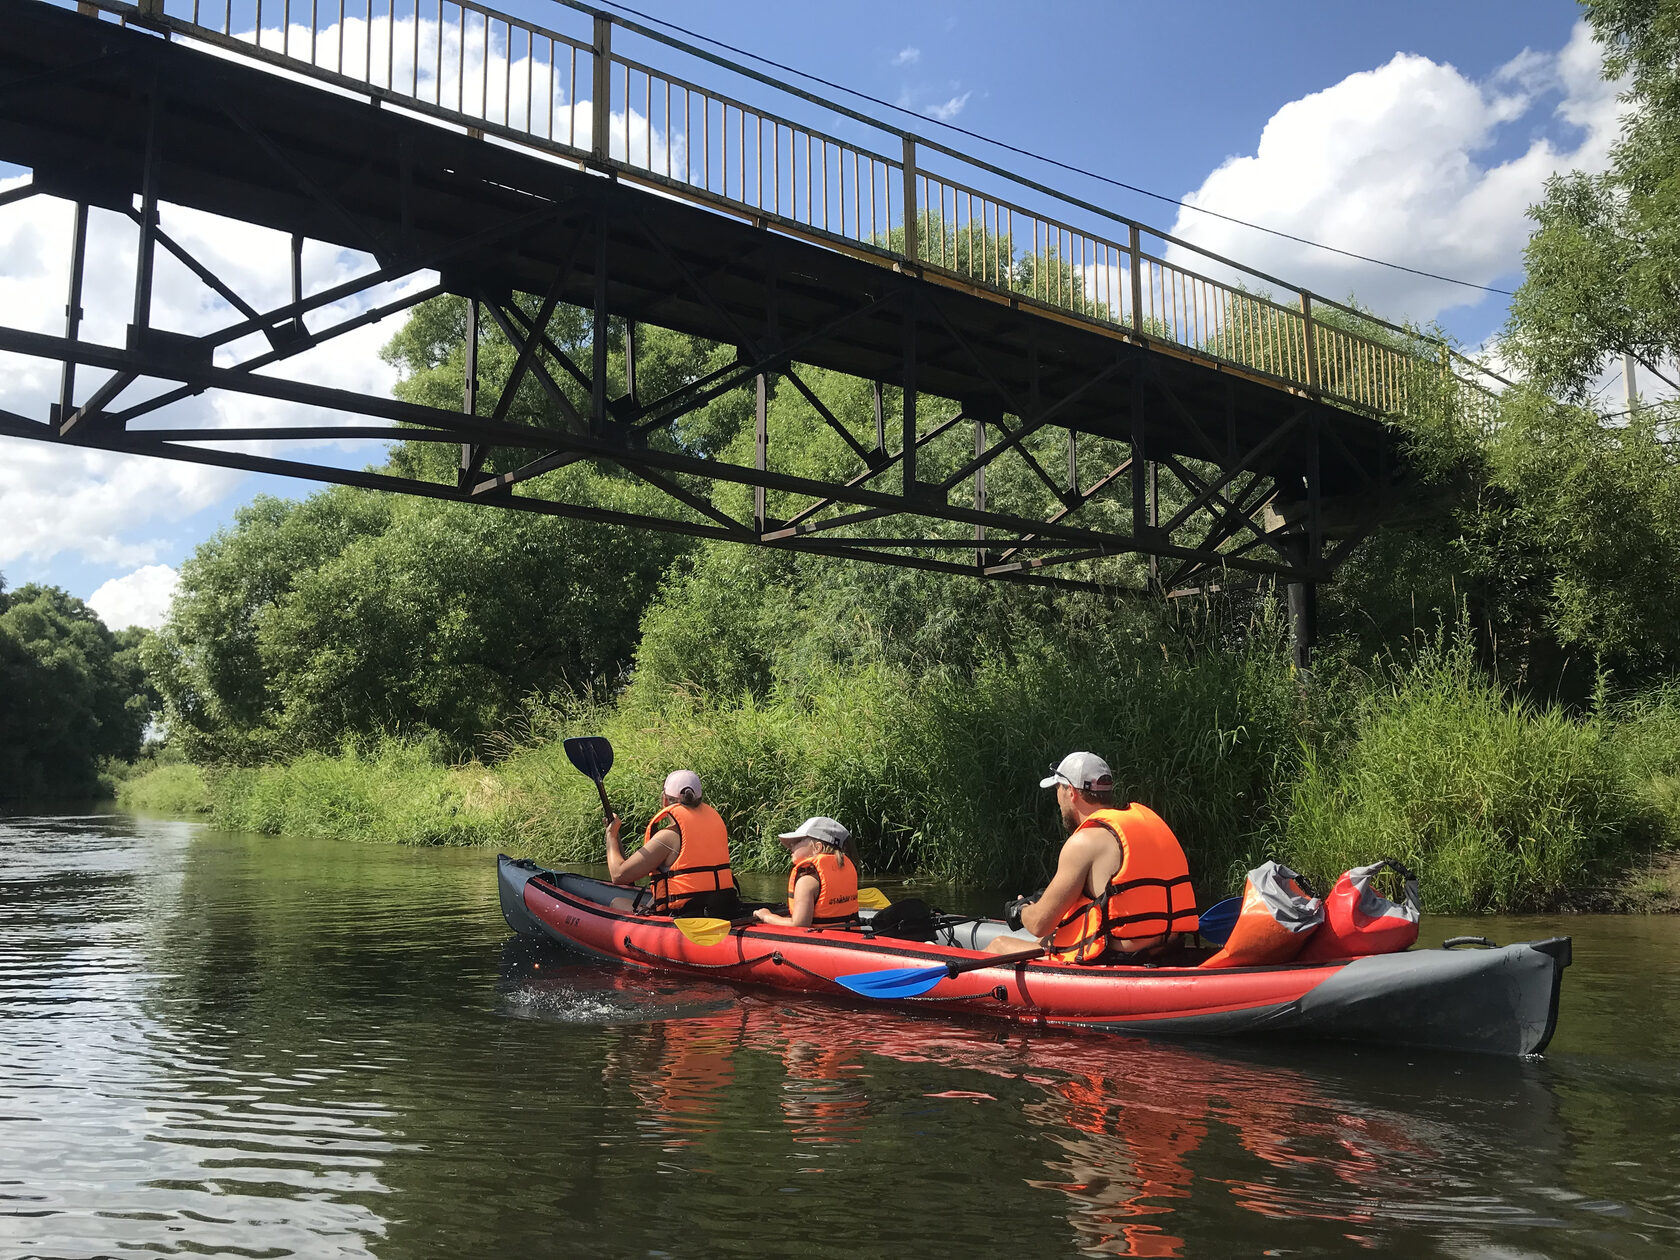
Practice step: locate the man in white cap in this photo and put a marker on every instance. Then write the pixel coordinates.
(684, 855)
(823, 885)
(1122, 889)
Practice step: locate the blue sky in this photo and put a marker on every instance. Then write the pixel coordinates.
(1414, 132)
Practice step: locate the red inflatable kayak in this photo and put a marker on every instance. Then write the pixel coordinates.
(1496, 1000)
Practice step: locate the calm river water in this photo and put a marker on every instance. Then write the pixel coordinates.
(229, 1045)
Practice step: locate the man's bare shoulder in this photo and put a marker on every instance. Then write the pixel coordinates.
(1090, 840)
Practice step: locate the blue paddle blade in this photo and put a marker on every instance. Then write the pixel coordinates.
(899, 982)
(1218, 920)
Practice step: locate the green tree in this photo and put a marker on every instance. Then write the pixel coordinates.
(207, 661)
(71, 694)
(450, 617)
(1603, 266)
(1599, 507)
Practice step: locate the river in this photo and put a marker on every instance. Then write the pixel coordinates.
(217, 1044)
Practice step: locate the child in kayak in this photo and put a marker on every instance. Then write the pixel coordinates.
(823, 885)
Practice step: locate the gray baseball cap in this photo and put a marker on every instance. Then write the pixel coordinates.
(1081, 770)
(822, 829)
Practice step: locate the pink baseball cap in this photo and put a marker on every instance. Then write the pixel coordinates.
(679, 780)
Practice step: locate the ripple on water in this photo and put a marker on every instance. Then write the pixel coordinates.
(250, 1046)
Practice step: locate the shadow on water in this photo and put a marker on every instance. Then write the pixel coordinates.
(251, 1046)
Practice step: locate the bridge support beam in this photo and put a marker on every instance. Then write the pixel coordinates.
(622, 247)
(1303, 620)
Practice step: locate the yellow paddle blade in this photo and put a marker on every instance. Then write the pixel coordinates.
(873, 899)
(703, 931)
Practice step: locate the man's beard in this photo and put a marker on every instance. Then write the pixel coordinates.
(1070, 818)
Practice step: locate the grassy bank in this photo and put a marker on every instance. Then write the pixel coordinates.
(1498, 803)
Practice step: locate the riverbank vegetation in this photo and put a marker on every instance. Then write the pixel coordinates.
(73, 696)
(1495, 703)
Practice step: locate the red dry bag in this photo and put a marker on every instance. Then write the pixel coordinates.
(1359, 921)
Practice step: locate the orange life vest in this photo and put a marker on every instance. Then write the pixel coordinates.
(1149, 896)
(702, 861)
(837, 899)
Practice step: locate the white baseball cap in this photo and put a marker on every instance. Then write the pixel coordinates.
(678, 780)
(1083, 770)
(821, 829)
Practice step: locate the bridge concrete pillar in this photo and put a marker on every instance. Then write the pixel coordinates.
(984, 412)
(1308, 551)
(469, 395)
(761, 450)
(1146, 500)
(73, 309)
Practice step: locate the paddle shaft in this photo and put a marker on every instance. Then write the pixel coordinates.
(606, 806)
(994, 960)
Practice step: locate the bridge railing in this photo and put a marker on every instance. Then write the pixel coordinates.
(891, 194)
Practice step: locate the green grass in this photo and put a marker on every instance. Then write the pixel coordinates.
(397, 792)
(1497, 803)
(169, 789)
(935, 772)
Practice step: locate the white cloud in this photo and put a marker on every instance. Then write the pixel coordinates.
(907, 57)
(110, 509)
(1389, 163)
(139, 599)
(949, 109)
(104, 507)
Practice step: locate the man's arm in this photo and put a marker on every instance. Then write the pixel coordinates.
(801, 910)
(1073, 870)
(644, 861)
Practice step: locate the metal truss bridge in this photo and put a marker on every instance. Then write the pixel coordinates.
(1243, 426)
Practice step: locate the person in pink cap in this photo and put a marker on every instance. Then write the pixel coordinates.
(684, 855)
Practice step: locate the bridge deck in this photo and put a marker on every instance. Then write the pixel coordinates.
(1181, 368)
(404, 189)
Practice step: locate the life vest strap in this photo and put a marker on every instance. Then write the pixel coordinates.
(1127, 920)
(1149, 882)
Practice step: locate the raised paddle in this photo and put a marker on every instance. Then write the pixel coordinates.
(873, 899)
(593, 755)
(908, 982)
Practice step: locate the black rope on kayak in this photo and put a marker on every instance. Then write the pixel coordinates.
(678, 962)
(781, 960)
(998, 992)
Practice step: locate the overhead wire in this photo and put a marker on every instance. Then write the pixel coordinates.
(1055, 162)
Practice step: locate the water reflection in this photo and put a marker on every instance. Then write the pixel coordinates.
(1126, 1132)
(242, 1045)
(127, 1131)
